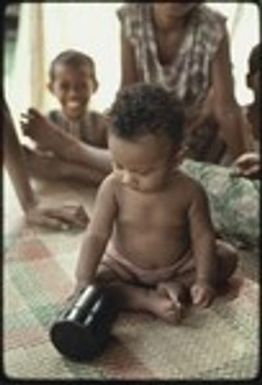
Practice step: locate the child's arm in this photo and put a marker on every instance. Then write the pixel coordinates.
(227, 110)
(203, 246)
(98, 233)
(129, 73)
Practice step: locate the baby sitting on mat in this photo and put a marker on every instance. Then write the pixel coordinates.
(150, 239)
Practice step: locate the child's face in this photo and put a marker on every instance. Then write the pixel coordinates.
(143, 165)
(73, 88)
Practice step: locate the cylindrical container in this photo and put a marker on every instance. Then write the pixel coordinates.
(83, 329)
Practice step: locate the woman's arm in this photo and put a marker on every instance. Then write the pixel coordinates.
(129, 72)
(98, 233)
(227, 110)
(14, 161)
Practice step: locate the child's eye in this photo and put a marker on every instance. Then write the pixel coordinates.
(64, 86)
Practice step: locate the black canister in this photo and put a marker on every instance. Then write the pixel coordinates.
(83, 329)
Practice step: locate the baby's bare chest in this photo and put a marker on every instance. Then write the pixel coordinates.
(160, 210)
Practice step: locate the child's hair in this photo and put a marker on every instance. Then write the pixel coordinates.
(254, 61)
(73, 58)
(146, 109)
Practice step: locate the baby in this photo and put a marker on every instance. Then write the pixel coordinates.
(72, 80)
(150, 238)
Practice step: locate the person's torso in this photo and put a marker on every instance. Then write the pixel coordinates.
(152, 229)
(90, 128)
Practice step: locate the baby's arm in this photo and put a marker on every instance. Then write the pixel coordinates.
(203, 245)
(98, 233)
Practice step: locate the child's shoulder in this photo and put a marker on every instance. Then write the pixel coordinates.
(189, 186)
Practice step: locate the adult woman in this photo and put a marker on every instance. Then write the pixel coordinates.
(184, 47)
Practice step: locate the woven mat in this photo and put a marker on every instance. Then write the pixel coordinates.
(219, 342)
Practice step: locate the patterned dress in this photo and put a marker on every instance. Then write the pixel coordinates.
(234, 201)
(188, 76)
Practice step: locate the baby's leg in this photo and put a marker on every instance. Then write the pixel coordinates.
(133, 297)
(227, 261)
(177, 293)
(178, 289)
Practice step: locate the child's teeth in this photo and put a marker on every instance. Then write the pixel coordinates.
(73, 104)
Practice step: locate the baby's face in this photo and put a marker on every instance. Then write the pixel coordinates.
(143, 165)
(73, 88)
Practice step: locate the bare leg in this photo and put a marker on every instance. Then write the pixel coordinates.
(131, 297)
(54, 168)
(179, 290)
(145, 299)
(228, 259)
(177, 293)
(50, 136)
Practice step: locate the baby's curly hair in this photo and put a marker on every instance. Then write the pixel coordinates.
(143, 109)
(73, 58)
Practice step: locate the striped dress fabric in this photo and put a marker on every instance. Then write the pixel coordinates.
(188, 75)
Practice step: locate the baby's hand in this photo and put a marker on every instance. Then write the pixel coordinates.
(77, 291)
(202, 294)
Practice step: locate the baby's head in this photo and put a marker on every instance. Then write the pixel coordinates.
(253, 74)
(72, 79)
(145, 136)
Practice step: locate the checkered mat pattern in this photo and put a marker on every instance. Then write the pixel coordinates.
(216, 343)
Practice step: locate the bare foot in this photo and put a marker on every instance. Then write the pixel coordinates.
(45, 133)
(174, 292)
(163, 307)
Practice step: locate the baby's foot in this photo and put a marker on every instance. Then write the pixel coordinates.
(163, 307)
(175, 292)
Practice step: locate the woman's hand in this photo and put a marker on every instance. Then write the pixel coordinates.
(64, 217)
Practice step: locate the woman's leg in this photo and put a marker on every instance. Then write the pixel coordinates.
(54, 168)
(51, 137)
